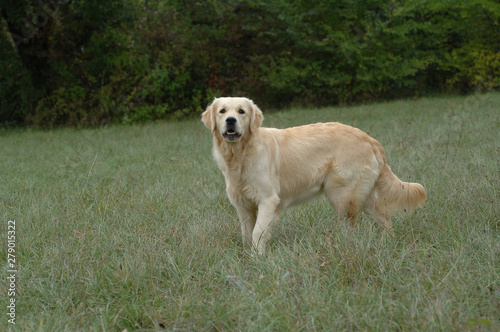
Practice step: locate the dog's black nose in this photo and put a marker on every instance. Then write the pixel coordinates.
(231, 120)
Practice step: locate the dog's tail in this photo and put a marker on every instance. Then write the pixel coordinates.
(393, 195)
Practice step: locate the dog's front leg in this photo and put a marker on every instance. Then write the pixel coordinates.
(268, 214)
(247, 218)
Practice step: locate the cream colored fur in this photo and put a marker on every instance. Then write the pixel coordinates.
(268, 170)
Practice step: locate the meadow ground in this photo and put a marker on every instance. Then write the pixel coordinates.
(129, 228)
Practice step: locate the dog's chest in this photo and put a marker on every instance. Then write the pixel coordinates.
(244, 188)
(249, 176)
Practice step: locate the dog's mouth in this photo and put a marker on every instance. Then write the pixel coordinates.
(231, 135)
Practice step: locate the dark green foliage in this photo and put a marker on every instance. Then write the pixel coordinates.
(88, 62)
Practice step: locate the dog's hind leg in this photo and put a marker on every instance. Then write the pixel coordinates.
(383, 219)
(347, 195)
(340, 199)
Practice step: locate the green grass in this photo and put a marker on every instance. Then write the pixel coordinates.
(130, 228)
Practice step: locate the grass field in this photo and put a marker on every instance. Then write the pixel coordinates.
(129, 228)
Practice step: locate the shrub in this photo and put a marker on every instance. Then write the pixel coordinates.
(86, 62)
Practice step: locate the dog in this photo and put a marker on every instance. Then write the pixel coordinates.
(268, 170)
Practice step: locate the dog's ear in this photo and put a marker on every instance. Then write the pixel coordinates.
(256, 119)
(208, 117)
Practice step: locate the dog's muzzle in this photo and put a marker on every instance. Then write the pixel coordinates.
(231, 134)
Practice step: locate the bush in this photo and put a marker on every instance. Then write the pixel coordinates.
(87, 62)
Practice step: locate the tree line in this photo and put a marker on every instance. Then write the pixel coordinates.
(89, 62)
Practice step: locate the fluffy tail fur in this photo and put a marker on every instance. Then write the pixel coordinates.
(394, 195)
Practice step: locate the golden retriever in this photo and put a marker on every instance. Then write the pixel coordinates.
(268, 169)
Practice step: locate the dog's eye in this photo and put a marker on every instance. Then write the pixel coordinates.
(241, 111)
(222, 111)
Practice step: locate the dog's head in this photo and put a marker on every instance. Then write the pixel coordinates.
(232, 118)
